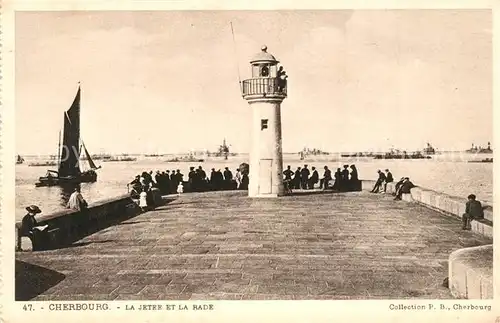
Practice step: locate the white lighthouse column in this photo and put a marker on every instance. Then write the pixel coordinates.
(266, 160)
(264, 92)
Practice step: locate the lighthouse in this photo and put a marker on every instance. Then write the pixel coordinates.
(264, 92)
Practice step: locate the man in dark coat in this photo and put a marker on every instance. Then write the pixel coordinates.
(405, 188)
(29, 226)
(173, 182)
(344, 179)
(388, 179)
(213, 180)
(167, 182)
(228, 178)
(338, 179)
(287, 180)
(398, 185)
(219, 178)
(473, 211)
(378, 183)
(296, 179)
(314, 178)
(228, 175)
(327, 177)
(192, 179)
(304, 177)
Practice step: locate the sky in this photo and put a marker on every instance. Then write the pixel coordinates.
(167, 81)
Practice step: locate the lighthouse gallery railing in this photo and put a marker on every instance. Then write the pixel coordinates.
(268, 85)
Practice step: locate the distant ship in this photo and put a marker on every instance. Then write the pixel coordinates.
(397, 154)
(486, 160)
(46, 164)
(223, 150)
(190, 158)
(124, 158)
(480, 150)
(358, 154)
(429, 150)
(97, 157)
(306, 152)
(19, 160)
(69, 153)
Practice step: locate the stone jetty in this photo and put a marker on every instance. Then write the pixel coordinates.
(224, 245)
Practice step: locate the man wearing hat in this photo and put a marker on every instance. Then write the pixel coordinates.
(304, 177)
(29, 225)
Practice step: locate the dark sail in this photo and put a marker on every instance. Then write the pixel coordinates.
(70, 150)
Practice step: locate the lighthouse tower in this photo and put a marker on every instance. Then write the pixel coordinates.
(264, 92)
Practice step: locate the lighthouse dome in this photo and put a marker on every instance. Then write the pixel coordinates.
(263, 56)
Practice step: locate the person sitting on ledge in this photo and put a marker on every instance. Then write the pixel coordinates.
(314, 178)
(405, 188)
(378, 183)
(76, 201)
(327, 177)
(388, 179)
(398, 185)
(29, 226)
(473, 211)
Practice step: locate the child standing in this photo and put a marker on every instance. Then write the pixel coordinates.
(143, 204)
(180, 189)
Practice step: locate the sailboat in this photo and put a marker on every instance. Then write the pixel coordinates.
(69, 153)
(19, 159)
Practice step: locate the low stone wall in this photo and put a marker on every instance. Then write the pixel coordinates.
(445, 203)
(471, 273)
(470, 269)
(68, 225)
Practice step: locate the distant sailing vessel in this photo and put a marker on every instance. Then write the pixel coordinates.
(19, 159)
(69, 153)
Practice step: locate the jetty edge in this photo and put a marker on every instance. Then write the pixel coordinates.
(470, 269)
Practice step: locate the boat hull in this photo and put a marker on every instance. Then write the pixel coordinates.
(84, 177)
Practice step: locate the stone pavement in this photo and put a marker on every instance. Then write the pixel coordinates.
(223, 245)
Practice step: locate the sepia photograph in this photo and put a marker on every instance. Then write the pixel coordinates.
(254, 155)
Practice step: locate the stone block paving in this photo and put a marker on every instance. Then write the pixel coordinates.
(223, 245)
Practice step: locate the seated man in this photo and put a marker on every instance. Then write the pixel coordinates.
(381, 179)
(405, 188)
(30, 227)
(398, 185)
(473, 211)
(76, 201)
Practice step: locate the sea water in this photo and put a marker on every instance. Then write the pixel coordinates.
(448, 173)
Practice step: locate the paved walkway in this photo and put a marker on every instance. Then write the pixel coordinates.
(227, 246)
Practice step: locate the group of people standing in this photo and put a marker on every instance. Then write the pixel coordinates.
(303, 178)
(218, 180)
(198, 181)
(165, 181)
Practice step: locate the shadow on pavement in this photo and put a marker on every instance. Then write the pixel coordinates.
(32, 280)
